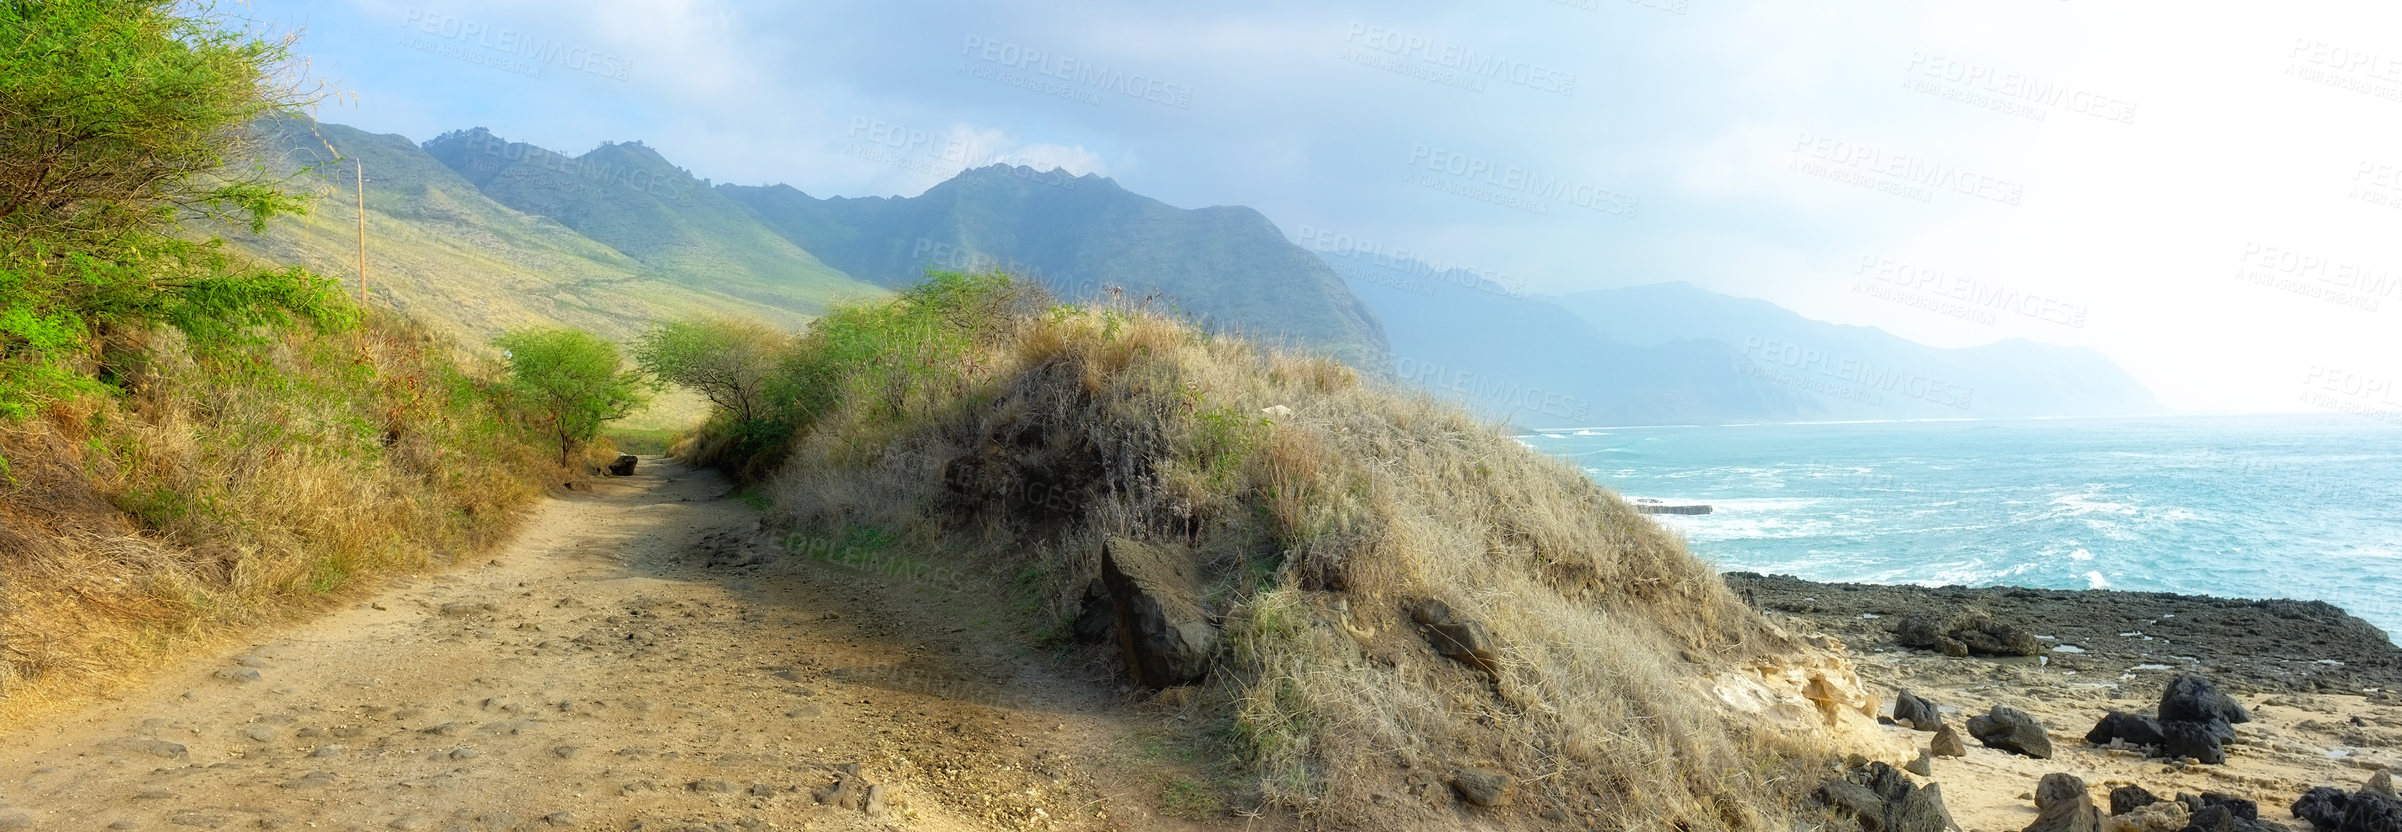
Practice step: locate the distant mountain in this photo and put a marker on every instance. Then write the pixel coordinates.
(1538, 365)
(1227, 267)
(1865, 372)
(628, 197)
(454, 258)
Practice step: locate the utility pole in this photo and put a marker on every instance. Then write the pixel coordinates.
(362, 231)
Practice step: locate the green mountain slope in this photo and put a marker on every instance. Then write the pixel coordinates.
(441, 250)
(1226, 266)
(631, 199)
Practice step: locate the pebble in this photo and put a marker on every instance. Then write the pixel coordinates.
(238, 675)
(465, 754)
(259, 733)
(560, 818)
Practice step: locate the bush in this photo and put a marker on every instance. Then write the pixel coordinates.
(729, 361)
(117, 118)
(568, 383)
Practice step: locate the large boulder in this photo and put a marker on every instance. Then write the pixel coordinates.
(2371, 809)
(2063, 805)
(1457, 637)
(1882, 799)
(1964, 634)
(1164, 632)
(1919, 713)
(2012, 730)
(2192, 698)
(2134, 729)
(2203, 741)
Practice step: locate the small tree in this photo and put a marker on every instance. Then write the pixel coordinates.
(568, 382)
(728, 360)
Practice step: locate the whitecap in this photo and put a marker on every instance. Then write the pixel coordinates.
(2096, 579)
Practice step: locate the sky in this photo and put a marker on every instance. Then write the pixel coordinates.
(2206, 195)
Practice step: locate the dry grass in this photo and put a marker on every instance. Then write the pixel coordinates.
(235, 486)
(1314, 529)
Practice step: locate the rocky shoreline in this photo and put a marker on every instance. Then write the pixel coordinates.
(2025, 709)
(2273, 646)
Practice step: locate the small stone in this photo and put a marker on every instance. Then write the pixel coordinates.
(198, 819)
(324, 751)
(465, 754)
(565, 752)
(123, 824)
(1924, 766)
(559, 818)
(155, 748)
(259, 733)
(406, 824)
(1482, 786)
(713, 786)
(1947, 743)
(876, 797)
(239, 675)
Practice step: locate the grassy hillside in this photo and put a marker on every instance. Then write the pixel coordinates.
(220, 484)
(1364, 601)
(443, 252)
(1226, 267)
(628, 198)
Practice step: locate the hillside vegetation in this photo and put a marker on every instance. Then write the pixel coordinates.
(443, 251)
(1367, 599)
(191, 442)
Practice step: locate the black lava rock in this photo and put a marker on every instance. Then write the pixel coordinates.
(2011, 729)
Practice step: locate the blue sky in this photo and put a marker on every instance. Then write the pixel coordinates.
(2209, 196)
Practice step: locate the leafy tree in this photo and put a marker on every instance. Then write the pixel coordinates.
(569, 383)
(730, 361)
(118, 119)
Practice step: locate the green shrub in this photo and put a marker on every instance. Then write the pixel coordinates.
(568, 383)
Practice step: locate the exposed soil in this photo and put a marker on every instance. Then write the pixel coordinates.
(638, 659)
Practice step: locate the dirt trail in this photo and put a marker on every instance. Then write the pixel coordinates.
(636, 660)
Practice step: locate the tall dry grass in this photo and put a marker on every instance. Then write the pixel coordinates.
(235, 484)
(1314, 527)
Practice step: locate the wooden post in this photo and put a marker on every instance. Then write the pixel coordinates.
(362, 231)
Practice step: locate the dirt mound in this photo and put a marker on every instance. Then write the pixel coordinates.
(1372, 591)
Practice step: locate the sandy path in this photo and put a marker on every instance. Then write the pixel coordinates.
(613, 669)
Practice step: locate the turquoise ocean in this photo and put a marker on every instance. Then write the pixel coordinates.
(2242, 506)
